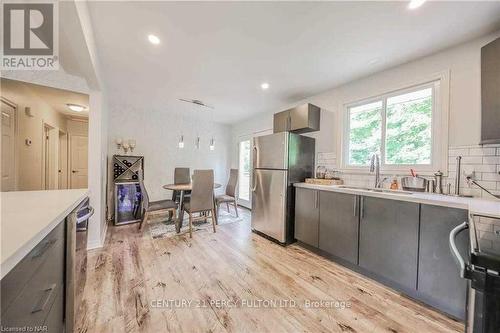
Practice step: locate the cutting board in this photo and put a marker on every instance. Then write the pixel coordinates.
(317, 181)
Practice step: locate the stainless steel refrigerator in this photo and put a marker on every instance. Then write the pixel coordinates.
(279, 161)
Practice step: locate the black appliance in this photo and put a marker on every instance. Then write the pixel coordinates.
(483, 274)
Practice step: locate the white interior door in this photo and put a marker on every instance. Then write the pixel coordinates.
(8, 147)
(245, 170)
(63, 160)
(79, 161)
(50, 155)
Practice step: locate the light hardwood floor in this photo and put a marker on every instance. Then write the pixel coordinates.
(222, 274)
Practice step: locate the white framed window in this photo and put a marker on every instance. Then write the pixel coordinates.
(403, 127)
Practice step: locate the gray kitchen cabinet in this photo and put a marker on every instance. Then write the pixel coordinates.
(307, 216)
(281, 122)
(305, 118)
(301, 119)
(490, 92)
(388, 240)
(35, 286)
(339, 225)
(439, 281)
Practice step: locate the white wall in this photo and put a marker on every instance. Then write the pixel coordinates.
(85, 62)
(29, 169)
(157, 134)
(77, 127)
(461, 62)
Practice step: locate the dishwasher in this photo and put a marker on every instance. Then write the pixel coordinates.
(482, 271)
(76, 259)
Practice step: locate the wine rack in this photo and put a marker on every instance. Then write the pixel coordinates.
(126, 167)
(127, 193)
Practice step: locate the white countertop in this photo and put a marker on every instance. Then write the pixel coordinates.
(28, 216)
(476, 206)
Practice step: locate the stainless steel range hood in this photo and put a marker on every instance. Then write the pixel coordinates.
(490, 93)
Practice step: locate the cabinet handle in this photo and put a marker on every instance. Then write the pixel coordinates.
(315, 199)
(355, 205)
(42, 302)
(288, 123)
(362, 208)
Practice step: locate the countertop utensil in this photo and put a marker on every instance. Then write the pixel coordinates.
(415, 184)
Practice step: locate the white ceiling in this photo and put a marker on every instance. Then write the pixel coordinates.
(58, 98)
(220, 52)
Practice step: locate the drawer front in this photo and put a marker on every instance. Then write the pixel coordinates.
(12, 284)
(31, 307)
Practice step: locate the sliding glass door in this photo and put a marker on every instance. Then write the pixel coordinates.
(245, 170)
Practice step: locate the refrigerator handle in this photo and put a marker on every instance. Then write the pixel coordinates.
(254, 185)
(255, 154)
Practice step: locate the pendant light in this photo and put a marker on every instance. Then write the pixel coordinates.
(212, 144)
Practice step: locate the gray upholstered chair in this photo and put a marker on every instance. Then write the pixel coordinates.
(230, 195)
(202, 198)
(153, 207)
(181, 176)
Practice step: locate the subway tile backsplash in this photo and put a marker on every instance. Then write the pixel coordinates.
(482, 161)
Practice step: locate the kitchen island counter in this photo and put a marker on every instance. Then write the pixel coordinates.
(28, 216)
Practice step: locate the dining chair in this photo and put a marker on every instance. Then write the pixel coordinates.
(152, 207)
(230, 195)
(181, 176)
(202, 198)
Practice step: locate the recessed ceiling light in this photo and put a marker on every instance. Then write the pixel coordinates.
(264, 86)
(76, 107)
(154, 39)
(414, 4)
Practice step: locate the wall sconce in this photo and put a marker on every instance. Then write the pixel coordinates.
(212, 144)
(118, 142)
(126, 147)
(131, 144)
(181, 142)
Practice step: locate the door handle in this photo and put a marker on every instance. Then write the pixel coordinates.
(453, 247)
(74, 171)
(42, 301)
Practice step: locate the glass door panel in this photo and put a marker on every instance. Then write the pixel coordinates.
(245, 169)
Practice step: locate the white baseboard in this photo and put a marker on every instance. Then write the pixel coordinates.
(100, 243)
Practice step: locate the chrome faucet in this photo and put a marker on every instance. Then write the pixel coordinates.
(375, 167)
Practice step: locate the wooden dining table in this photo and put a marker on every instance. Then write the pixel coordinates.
(182, 188)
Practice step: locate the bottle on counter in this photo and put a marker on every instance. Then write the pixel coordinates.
(394, 184)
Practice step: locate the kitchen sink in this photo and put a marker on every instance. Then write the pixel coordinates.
(371, 189)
